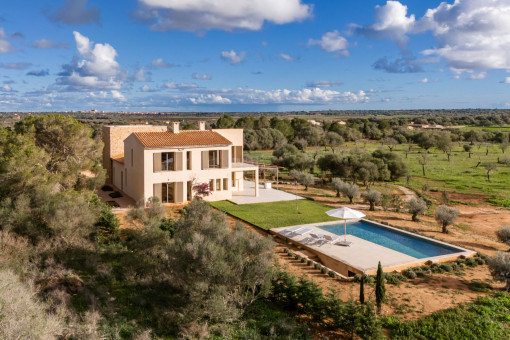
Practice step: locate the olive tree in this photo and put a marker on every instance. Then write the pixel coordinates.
(219, 270)
(304, 178)
(446, 216)
(337, 184)
(373, 197)
(489, 167)
(350, 190)
(416, 207)
(503, 234)
(499, 265)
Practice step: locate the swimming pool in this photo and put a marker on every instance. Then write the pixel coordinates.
(391, 238)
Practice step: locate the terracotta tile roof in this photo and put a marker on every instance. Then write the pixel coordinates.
(183, 138)
(119, 158)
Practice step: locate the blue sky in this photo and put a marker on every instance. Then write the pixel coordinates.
(253, 55)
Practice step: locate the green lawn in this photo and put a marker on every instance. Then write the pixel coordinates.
(461, 174)
(277, 214)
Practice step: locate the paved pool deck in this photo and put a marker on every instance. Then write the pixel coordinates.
(247, 196)
(361, 256)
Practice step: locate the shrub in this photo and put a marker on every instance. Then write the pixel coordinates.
(499, 265)
(286, 250)
(324, 270)
(303, 260)
(394, 278)
(317, 266)
(425, 267)
(309, 262)
(350, 190)
(471, 262)
(503, 234)
(370, 280)
(372, 197)
(331, 274)
(357, 278)
(446, 267)
(290, 253)
(480, 261)
(446, 216)
(410, 274)
(297, 257)
(416, 206)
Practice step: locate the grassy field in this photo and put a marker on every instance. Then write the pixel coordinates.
(277, 214)
(460, 174)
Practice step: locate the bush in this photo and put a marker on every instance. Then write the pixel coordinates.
(446, 216)
(446, 267)
(480, 261)
(394, 278)
(303, 260)
(357, 277)
(499, 265)
(309, 262)
(410, 274)
(471, 262)
(331, 274)
(373, 197)
(317, 266)
(324, 270)
(416, 206)
(286, 250)
(503, 234)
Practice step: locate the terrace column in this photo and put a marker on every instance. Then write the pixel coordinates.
(257, 182)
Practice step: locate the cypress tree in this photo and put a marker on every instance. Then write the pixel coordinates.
(362, 290)
(380, 291)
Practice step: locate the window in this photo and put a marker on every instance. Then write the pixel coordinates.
(225, 184)
(188, 160)
(167, 161)
(214, 159)
(211, 185)
(167, 192)
(131, 157)
(233, 179)
(218, 184)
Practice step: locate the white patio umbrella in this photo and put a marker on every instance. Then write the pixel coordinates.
(345, 213)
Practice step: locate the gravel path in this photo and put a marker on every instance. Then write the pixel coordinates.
(408, 193)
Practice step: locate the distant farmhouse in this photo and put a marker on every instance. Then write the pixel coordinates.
(143, 161)
(414, 126)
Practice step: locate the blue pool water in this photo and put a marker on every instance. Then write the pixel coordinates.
(404, 243)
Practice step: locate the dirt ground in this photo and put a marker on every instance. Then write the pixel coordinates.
(474, 229)
(412, 299)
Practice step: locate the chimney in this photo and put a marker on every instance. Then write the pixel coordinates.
(201, 125)
(175, 127)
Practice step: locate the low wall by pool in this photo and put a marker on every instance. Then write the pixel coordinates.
(397, 249)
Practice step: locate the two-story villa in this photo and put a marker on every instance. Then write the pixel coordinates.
(144, 161)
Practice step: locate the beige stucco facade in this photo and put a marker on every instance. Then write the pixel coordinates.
(139, 175)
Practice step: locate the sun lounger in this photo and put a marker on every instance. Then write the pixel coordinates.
(290, 230)
(328, 239)
(299, 232)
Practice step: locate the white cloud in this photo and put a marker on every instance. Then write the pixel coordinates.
(477, 76)
(201, 76)
(142, 75)
(47, 44)
(209, 99)
(179, 86)
(196, 15)
(284, 96)
(5, 45)
(391, 22)
(332, 42)
(232, 57)
(117, 95)
(159, 62)
(506, 81)
(472, 35)
(322, 83)
(6, 88)
(95, 67)
(285, 56)
(424, 80)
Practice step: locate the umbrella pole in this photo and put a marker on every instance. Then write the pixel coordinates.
(345, 230)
